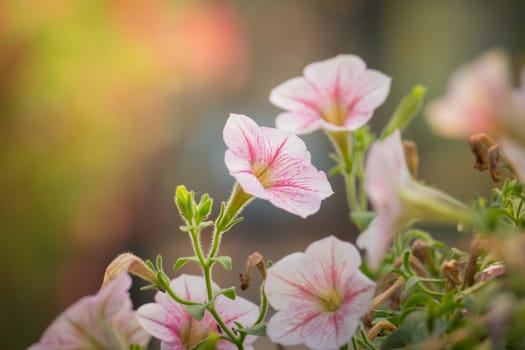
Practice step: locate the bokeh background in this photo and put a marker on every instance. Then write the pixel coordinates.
(105, 106)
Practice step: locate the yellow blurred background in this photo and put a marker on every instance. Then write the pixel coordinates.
(105, 106)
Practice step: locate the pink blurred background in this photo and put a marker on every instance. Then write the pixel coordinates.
(105, 106)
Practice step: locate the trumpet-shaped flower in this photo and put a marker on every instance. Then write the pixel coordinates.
(515, 153)
(273, 164)
(337, 94)
(102, 321)
(169, 321)
(398, 199)
(319, 295)
(477, 97)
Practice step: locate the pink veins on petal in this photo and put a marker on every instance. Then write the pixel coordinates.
(274, 165)
(319, 295)
(337, 94)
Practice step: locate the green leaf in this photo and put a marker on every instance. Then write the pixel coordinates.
(228, 292)
(406, 262)
(225, 261)
(411, 282)
(182, 261)
(196, 310)
(405, 111)
(159, 262)
(362, 218)
(258, 329)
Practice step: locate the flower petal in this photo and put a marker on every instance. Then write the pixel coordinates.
(163, 321)
(296, 94)
(327, 76)
(104, 320)
(299, 123)
(242, 136)
(316, 330)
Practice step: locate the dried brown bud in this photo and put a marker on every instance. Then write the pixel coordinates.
(254, 260)
(494, 158)
(130, 263)
(479, 144)
(451, 272)
(412, 157)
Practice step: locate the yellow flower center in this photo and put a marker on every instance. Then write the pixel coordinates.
(193, 334)
(335, 114)
(330, 301)
(263, 173)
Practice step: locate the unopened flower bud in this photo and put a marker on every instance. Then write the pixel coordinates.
(129, 263)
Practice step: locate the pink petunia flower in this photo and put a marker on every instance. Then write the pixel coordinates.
(477, 96)
(169, 321)
(273, 164)
(102, 321)
(320, 295)
(339, 94)
(398, 199)
(515, 153)
(385, 157)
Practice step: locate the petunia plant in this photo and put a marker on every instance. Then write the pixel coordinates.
(398, 287)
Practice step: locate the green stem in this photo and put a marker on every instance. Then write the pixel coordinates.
(205, 263)
(238, 200)
(231, 337)
(178, 299)
(341, 140)
(264, 306)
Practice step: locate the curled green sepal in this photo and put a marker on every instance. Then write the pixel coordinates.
(197, 310)
(405, 111)
(362, 218)
(182, 261)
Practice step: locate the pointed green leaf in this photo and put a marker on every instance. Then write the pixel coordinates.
(197, 311)
(182, 261)
(258, 329)
(228, 292)
(362, 218)
(405, 111)
(225, 261)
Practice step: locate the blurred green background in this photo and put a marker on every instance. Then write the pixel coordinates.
(105, 106)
